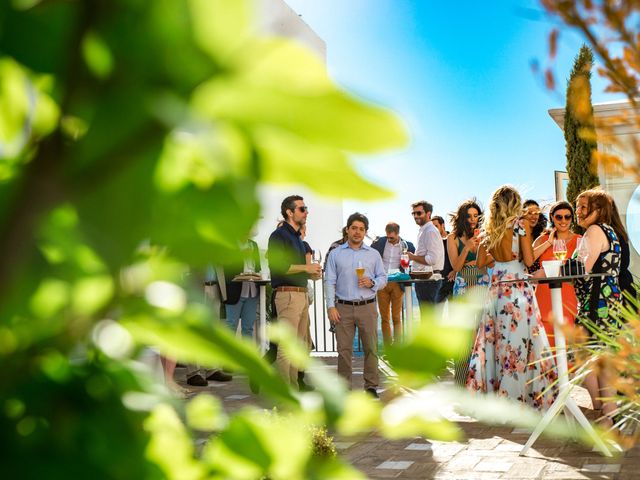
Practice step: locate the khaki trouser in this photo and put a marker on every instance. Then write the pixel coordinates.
(365, 317)
(293, 308)
(390, 295)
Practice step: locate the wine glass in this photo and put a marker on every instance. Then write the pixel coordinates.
(559, 249)
(359, 269)
(316, 256)
(404, 261)
(582, 253)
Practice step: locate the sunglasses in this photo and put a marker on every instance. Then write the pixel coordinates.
(560, 217)
(302, 209)
(532, 212)
(417, 214)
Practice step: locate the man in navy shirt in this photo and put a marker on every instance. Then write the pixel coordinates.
(289, 275)
(354, 273)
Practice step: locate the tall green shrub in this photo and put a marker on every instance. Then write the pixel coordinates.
(579, 131)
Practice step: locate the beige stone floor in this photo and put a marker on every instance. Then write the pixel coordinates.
(489, 452)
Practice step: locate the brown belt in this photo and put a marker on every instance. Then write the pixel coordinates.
(292, 289)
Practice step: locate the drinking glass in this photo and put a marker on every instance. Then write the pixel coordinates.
(316, 256)
(559, 249)
(404, 261)
(360, 270)
(582, 253)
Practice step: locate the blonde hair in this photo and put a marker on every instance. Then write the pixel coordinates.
(505, 207)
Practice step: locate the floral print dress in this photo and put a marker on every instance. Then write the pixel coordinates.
(511, 355)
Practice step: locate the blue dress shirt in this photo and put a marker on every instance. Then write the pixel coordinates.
(340, 279)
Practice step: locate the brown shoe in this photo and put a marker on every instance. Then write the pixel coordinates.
(220, 376)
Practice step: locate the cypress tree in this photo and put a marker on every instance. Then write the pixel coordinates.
(579, 130)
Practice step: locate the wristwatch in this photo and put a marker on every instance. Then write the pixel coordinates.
(373, 283)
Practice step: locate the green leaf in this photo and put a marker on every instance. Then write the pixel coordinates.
(220, 27)
(420, 413)
(97, 55)
(51, 296)
(205, 412)
(246, 448)
(289, 159)
(193, 339)
(170, 446)
(294, 349)
(333, 468)
(361, 414)
(333, 118)
(424, 354)
(333, 389)
(90, 294)
(201, 156)
(273, 62)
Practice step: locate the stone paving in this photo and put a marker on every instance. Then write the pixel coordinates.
(489, 452)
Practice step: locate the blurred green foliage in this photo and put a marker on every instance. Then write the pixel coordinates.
(133, 134)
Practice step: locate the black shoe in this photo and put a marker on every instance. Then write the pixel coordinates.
(305, 387)
(220, 376)
(254, 387)
(373, 392)
(197, 381)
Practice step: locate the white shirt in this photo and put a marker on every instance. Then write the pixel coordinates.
(430, 247)
(391, 256)
(249, 289)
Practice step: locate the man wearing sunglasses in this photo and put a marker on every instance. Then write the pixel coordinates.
(429, 252)
(289, 275)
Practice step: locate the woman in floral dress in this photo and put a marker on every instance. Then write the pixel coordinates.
(511, 355)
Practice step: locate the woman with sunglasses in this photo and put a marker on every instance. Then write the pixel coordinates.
(561, 215)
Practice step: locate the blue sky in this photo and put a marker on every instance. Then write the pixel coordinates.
(459, 74)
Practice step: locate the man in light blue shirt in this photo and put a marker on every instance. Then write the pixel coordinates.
(354, 273)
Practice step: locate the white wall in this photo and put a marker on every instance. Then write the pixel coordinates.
(275, 16)
(325, 216)
(619, 184)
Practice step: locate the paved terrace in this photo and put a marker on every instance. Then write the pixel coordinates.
(489, 452)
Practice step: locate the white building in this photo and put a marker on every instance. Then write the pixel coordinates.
(325, 215)
(623, 187)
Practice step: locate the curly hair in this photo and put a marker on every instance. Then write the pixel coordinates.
(505, 207)
(461, 226)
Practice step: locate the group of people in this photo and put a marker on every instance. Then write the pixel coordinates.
(513, 350)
